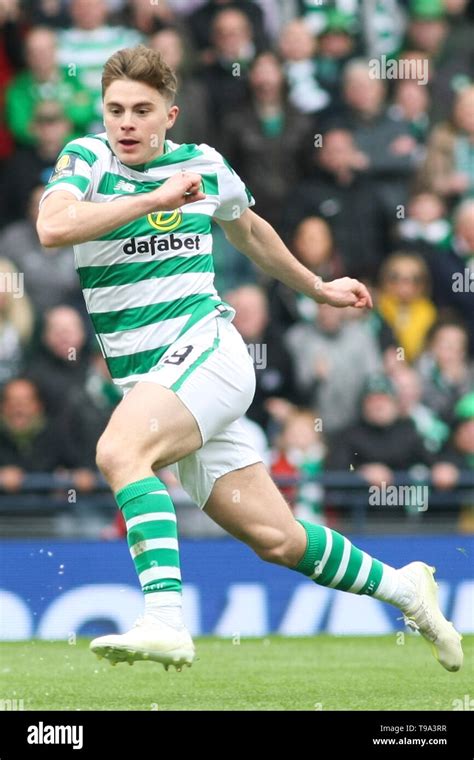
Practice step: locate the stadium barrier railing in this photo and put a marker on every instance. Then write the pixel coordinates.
(340, 491)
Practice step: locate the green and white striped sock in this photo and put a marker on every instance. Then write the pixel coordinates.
(152, 536)
(331, 560)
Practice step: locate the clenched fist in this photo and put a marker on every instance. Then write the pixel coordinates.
(180, 189)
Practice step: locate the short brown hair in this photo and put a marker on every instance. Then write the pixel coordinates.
(140, 64)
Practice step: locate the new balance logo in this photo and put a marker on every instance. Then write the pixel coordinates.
(126, 186)
(160, 243)
(42, 734)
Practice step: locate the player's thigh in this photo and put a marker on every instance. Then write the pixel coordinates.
(153, 424)
(249, 506)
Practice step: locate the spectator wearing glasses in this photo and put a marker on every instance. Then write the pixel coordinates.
(404, 303)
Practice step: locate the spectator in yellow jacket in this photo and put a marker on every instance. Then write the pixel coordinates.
(404, 301)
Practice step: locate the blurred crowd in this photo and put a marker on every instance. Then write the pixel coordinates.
(364, 170)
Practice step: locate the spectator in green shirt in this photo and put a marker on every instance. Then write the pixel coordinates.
(45, 80)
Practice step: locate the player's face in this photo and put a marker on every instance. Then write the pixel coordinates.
(136, 117)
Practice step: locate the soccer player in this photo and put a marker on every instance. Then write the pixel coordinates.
(138, 209)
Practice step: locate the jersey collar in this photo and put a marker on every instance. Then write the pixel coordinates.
(169, 156)
(155, 162)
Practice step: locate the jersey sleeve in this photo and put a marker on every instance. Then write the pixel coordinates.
(234, 196)
(72, 172)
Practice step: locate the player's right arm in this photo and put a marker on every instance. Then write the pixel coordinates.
(65, 220)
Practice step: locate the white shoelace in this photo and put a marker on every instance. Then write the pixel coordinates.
(425, 625)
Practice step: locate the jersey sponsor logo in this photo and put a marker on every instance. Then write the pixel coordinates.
(157, 244)
(64, 167)
(165, 221)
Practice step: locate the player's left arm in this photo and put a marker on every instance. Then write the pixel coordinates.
(257, 239)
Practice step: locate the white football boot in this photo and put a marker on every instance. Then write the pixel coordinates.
(422, 613)
(147, 640)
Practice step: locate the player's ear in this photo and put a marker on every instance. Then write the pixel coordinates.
(172, 116)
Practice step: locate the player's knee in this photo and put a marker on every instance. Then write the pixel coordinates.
(111, 458)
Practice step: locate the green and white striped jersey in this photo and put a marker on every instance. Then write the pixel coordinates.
(148, 282)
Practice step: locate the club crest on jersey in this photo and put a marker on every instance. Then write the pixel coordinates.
(165, 221)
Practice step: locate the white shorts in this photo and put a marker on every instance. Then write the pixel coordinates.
(211, 371)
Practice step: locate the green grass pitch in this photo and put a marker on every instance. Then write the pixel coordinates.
(275, 673)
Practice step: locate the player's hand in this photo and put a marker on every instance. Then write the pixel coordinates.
(345, 292)
(178, 190)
